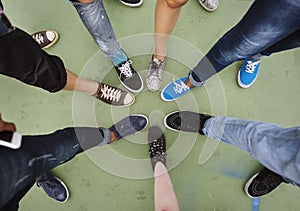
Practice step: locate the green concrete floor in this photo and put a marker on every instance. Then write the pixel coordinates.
(100, 179)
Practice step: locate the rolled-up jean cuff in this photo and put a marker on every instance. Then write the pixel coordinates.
(195, 82)
(106, 136)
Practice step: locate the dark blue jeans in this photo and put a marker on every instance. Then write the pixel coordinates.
(39, 154)
(268, 26)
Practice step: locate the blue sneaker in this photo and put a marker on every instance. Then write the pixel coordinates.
(53, 187)
(129, 125)
(248, 72)
(175, 89)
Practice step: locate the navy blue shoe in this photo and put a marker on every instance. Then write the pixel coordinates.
(129, 125)
(53, 187)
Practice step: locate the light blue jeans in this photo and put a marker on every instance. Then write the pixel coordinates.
(96, 21)
(275, 147)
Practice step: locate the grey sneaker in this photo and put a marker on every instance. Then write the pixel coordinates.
(154, 73)
(209, 5)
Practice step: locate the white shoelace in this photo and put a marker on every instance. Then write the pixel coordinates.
(125, 69)
(250, 66)
(110, 93)
(179, 88)
(39, 38)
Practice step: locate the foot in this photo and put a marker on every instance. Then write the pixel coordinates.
(129, 125)
(175, 89)
(129, 77)
(157, 146)
(186, 121)
(248, 72)
(154, 73)
(132, 3)
(209, 5)
(263, 183)
(53, 187)
(114, 96)
(45, 38)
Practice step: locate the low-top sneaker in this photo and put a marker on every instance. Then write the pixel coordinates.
(114, 96)
(45, 38)
(175, 89)
(129, 77)
(248, 72)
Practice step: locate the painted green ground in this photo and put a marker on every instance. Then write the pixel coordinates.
(118, 177)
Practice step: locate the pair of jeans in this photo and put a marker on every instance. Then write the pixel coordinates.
(267, 27)
(39, 154)
(275, 147)
(95, 19)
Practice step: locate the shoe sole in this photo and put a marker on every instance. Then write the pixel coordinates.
(66, 188)
(208, 9)
(53, 42)
(248, 184)
(241, 83)
(165, 121)
(132, 5)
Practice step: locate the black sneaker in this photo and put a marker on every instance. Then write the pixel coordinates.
(157, 146)
(263, 183)
(45, 38)
(129, 125)
(53, 187)
(132, 3)
(114, 96)
(129, 77)
(186, 121)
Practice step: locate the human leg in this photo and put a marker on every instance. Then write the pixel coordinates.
(253, 34)
(39, 154)
(164, 196)
(274, 147)
(166, 16)
(94, 17)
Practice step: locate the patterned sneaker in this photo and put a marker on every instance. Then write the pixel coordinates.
(263, 183)
(157, 146)
(114, 96)
(129, 77)
(209, 5)
(175, 89)
(53, 187)
(154, 73)
(248, 72)
(186, 121)
(129, 125)
(132, 3)
(45, 38)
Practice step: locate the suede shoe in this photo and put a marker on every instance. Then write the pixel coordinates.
(186, 121)
(129, 77)
(263, 183)
(129, 125)
(53, 187)
(157, 146)
(45, 38)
